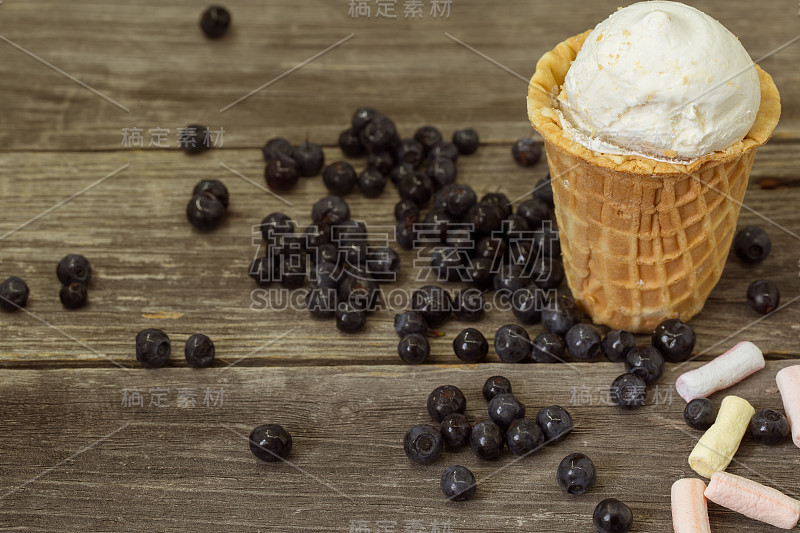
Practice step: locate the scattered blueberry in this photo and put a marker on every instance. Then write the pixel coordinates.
(378, 134)
(205, 212)
(410, 322)
(510, 279)
(443, 149)
(152, 348)
(512, 344)
(339, 177)
(331, 210)
(350, 143)
(612, 516)
(270, 443)
(371, 182)
(466, 141)
(423, 444)
(763, 296)
(560, 316)
(433, 303)
(406, 211)
(504, 409)
(442, 171)
(310, 159)
(455, 430)
(646, 362)
(409, 152)
(321, 302)
(576, 474)
(281, 173)
(261, 271)
(524, 436)
(769, 427)
(470, 346)
(277, 148)
(215, 22)
(527, 304)
(555, 421)
(500, 201)
(547, 272)
(413, 348)
(480, 272)
(349, 319)
(73, 295)
(460, 200)
(469, 305)
(416, 187)
(199, 351)
(215, 188)
(194, 139)
(752, 244)
(446, 400)
(526, 151)
(616, 345)
(405, 235)
(628, 391)
(383, 162)
(674, 339)
(427, 136)
(535, 211)
(700, 413)
(363, 116)
(486, 440)
(447, 264)
(74, 267)
(485, 217)
(547, 241)
(383, 263)
(400, 171)
(548, 348)
(496, 385)
(458, 483)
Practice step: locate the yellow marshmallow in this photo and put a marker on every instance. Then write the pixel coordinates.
(716, 448)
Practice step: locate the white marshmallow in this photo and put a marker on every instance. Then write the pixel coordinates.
(729, 368)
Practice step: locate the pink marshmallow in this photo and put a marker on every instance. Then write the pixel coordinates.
(753, 500)
(689, 508)
(728, 369)
(788, 381)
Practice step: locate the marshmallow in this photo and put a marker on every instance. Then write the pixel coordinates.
(716, 448)
(689, 508)
(788, 381)
(753, 500)
(729, 368)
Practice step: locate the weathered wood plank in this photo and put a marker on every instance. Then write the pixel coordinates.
(171, 468)
(153, 60)
(153, 270)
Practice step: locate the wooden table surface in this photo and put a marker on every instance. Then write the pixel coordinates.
(91, 441)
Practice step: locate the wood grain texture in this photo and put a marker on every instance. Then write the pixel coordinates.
(152, 58)
(176, 468)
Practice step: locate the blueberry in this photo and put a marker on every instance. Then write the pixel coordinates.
(199, 351)
(535, 211)
(349, 319)
(215, 22)
(769, 426)
(416, 187)
(510, 279)
(486, 440)
(628, 391)
(447, 264)
(321, 302)
(410, 322)
(205, 212)
(74, 295)
(547, 272)
(548, 348)
(524, 437)
(406, 211)
(423, 444)
(316, 235)
(360, 292)
(700, 413)
(194, 139)
(382, 263)
(270, 443)
(215, 188)
(492, 247)
(413, 349)
(674, 339)
(281, 173)
(555, 421)
(378, 134)
(526, 151)
(427, 136)
(152, 348)
(443, 149)
(752, 244)
(310, 159)
(446, 400)
(496, 385)
(514, 228)
(433, 303)
(469, 305)
(261, 271)
(339, 177)
(383, 162)
(405, 235)
(583, 342)
(442, 171)
(576, 474)
(292, 272)
(763, 296)
(326, 253)
(480, 272)
(401, 170)
(409, 152)
(512, 344)
(460, 200)
(466, 141)
(455, 430)
(485, 218)
(371, 182)
(646, 362)
(277, 148)
(504, 409)
(527, 304)
(470, 346)
(560, 315)
(458, 483)
(74, 267)
(363, 116)
(330, 210)
(544, 190)
(500, 201)
(616, 345)
(350, 143)
(612, 516)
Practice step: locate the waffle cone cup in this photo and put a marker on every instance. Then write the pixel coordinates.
(642, 240)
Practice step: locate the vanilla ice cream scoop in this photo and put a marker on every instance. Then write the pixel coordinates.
(663, 80)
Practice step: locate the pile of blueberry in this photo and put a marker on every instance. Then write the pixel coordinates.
(73, 271)
(767, 426)
(752, 245)
(153, 349)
